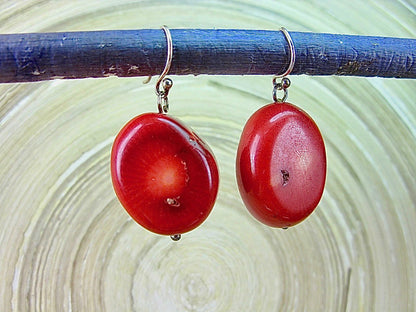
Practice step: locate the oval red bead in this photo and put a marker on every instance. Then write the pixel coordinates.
(281, 165)
(164, 175)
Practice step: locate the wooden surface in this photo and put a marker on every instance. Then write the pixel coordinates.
(129, 53)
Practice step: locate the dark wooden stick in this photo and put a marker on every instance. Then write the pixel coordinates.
(128, 53)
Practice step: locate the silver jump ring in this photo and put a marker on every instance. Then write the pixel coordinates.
(281, 86)
(167, 83)
(284, 84)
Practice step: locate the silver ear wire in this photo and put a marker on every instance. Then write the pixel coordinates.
(292, 54)
(167, 83)
(284, 84)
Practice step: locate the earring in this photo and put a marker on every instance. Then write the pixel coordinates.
(281, 161)
(164, 175)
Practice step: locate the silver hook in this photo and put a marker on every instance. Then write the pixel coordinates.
(284, 84)
(292, 53)
(167, 83)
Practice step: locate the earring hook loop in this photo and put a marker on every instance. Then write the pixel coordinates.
(284, 84)
(292, 54)
(167, 83)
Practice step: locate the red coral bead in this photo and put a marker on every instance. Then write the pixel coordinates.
(164, 175)
(281, 165)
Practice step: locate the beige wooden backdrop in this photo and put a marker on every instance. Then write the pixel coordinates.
(67, 245)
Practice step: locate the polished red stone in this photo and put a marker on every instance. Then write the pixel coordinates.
(281, 165)
(164, 175)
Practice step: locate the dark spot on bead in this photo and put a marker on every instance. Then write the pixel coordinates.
(174, 202)
(285, 177)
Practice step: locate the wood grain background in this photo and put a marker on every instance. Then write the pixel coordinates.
(67, 245)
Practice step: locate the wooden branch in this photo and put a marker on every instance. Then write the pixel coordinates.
(129, 53)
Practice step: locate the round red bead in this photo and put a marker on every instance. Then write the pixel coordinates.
(164, 175)
(281, 165)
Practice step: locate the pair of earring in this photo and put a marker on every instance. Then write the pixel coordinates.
(167, 178)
